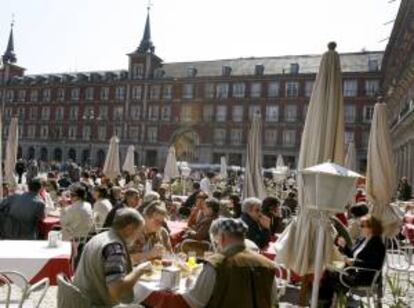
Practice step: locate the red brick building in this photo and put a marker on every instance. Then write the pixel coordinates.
(203, 108)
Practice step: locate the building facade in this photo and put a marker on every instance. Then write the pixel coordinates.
(398, 69)
(202, 108)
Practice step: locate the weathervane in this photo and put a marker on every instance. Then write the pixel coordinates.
(149, 5)
(12, 21)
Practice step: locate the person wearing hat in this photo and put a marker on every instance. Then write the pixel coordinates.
(234, 276)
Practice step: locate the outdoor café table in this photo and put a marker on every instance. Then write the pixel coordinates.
(35, 260)
(46, 225)
(148, 292)
(150, 295)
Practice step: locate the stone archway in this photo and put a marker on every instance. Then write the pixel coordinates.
(100, 158)
(186, 142)
(43, 154)
(72, 154)
(85, 156)
(31, 152)
(57, 155)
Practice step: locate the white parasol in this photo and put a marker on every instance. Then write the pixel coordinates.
(223, 167)
(351, 157)
(111, 167)
(171, 168)
(381, 178)
(253, 181)
(11, 152)
(129, 163)
(322, 140)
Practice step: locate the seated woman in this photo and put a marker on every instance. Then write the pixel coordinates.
(102, 205)
(196, 212)
(200, 231)
(367, 253)
(154, 241)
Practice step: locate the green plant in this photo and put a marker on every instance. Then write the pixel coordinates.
(397, 291)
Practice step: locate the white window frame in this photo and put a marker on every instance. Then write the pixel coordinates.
(272, 113)
(292, 89)
(256, 89)
(273, 89)
(237, 113)
(239, 89)
(221, 113)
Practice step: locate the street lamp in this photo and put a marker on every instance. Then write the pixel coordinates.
(90, 116)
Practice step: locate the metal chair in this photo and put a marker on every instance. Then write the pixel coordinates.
(69, 296)
(370, 291)
(282, 280)
(11, 279)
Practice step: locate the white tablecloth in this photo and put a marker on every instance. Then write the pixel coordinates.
(29, 257)
(143, 289)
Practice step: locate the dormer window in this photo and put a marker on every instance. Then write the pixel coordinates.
(137, 71)
(159, 73)
(294, 68)
(373, 65)
(191, 72)
(226, 71)
(259, 70)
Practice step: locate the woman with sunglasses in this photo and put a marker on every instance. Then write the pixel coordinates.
(367, 253)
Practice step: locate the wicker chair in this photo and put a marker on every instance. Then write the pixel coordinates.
(199, 247)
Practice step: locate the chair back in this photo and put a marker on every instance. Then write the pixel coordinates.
(69, 296)
(199, 247)
(10, 279)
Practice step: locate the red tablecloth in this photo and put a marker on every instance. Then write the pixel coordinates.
(176, 228)
(270, 253)
(47, 225)
(164, 299)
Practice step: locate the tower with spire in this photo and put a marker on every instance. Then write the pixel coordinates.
(143, 61)
(9, 69)
(9, 56)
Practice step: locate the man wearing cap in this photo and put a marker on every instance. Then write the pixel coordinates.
(234, 276)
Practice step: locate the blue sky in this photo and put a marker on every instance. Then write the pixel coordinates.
(81, 35)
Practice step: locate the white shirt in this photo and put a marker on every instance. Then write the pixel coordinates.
(205, 186)
(76, 220)
(101, 208)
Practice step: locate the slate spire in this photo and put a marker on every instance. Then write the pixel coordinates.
(9, 55)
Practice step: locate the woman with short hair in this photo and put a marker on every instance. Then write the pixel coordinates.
(367, 253)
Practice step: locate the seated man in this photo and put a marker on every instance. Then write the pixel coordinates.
(20, 214)
(234, 276)
(105, 273)
(258, 224)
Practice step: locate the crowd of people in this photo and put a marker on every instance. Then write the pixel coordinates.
(125, 223)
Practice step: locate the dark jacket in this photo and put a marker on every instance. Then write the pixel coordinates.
(371, 256)
(20, 216)
(256, 233)
(111, 215)
(191, 200)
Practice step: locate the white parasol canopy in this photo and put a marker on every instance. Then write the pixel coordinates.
(381, 178)
(111, 167)
(129, 163)
(351, 157)
(223, 167)
(11, 152)
(279, 162)
(253, 181)
(322, 140)
(171, 168)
